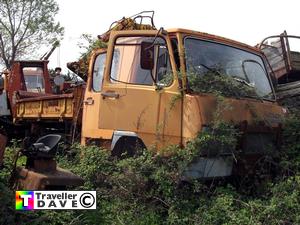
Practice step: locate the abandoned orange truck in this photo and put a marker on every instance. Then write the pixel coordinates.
(139, 93)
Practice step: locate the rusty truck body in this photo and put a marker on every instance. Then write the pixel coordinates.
(135, 96)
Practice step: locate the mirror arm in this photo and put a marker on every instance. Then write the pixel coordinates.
(151, 74)
(155, 37)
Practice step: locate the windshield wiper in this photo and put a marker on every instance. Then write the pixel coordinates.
(244, 82)
(211, 69)
(251, 85)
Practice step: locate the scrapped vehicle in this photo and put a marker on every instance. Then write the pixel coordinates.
(28, 100)
(140, 93)
(283, 54)
(144, 91)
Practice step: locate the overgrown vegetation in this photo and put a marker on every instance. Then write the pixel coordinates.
(148, 188)
(152, 188)
(220, 84)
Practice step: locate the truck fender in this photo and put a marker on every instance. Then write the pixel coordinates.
(126, 142)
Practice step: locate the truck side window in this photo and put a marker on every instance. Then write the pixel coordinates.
(126, 66)
(174, 43)
(164, 75)
(115, 65)
(98, 71)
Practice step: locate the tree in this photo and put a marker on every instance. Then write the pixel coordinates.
(26, 25)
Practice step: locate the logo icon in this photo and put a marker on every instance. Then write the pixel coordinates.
(24, 200)
(87, 200)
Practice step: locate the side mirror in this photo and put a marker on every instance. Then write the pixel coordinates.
(147, 56)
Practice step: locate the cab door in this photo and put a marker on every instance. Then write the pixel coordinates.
(92, 98)
(131, 97)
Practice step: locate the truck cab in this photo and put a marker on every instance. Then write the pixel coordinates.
(27, 79)
(140, 92)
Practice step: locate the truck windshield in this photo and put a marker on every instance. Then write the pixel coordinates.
(214, 59)
(34, 79)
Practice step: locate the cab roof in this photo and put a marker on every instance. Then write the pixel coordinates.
(31, 61)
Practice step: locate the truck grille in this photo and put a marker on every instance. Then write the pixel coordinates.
(259, 143)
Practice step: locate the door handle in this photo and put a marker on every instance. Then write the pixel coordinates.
(110, 94)
(89, 101)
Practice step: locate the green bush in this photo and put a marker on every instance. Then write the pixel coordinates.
(291, 144)
(148, 189)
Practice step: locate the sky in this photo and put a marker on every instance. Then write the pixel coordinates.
(245, 21)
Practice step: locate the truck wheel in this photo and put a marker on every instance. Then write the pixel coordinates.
(128, 146)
